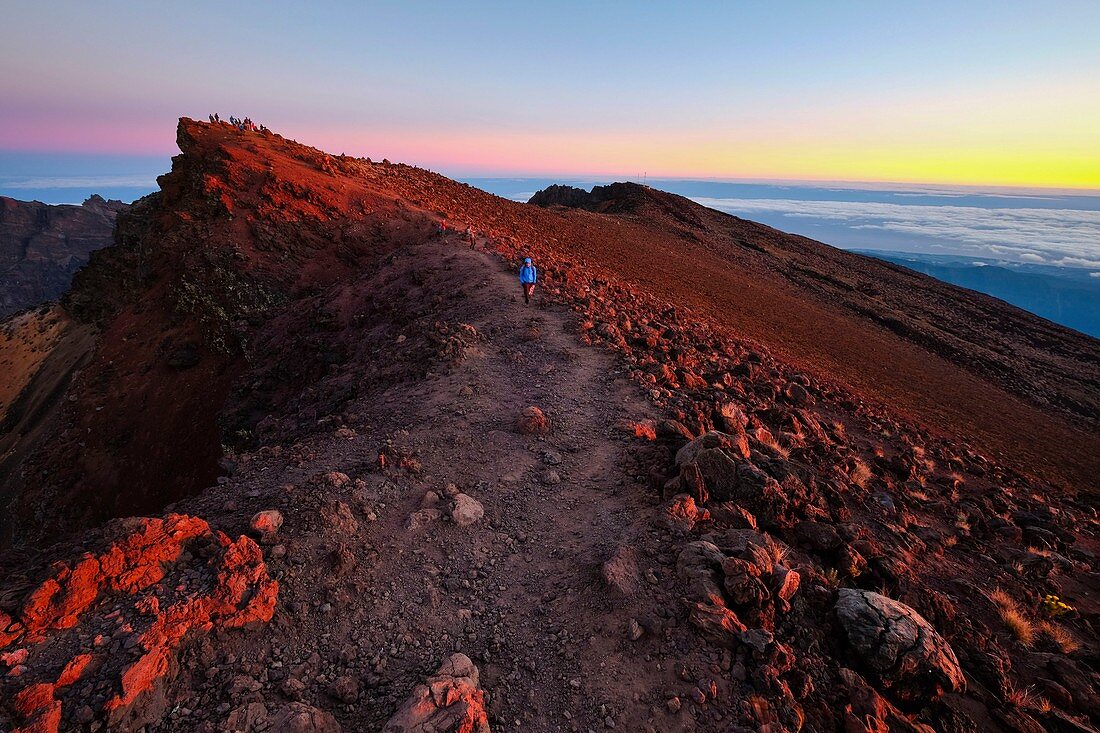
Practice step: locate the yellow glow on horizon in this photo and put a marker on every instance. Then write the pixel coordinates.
(1036, 133)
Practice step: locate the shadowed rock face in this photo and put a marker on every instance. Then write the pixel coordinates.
(898, 645)
(42, 247)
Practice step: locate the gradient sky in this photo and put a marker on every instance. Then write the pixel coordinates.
(1000, 93)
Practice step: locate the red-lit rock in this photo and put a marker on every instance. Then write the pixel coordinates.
(229, 589)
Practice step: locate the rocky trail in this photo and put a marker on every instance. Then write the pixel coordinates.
(417, 575)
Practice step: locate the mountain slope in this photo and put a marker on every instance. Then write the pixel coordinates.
(1023, 354)
(41, 246)
(1067, 296)
(713, 522)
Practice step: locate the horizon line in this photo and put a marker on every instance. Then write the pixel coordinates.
(1066, 189)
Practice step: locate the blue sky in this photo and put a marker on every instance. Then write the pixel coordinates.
(944, 92)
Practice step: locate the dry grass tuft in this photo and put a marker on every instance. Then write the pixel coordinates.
(1059, 636)
(1025, 697)
(768, 440)
(1015, 619)
(840, 431)
(861, 473)
(778, 552)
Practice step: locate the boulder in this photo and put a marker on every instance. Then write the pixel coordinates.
(248, 717)
(466, 510)
(267, 522)
(450, 701)
(345, 688)
(818, 536)
(869, 711)
(786, 582)
(700, 566)
(898, 646)
(682, 513)
(720, 473)
(742, 582)
(532, 421)
(717, 623)
(796, 394)
(714, 439)
(621, 574)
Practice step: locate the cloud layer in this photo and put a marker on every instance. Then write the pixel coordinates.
(1050, 236)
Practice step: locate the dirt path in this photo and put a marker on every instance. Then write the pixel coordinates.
(520, 591)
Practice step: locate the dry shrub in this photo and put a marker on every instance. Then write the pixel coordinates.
(1015, 619)
(778, 552)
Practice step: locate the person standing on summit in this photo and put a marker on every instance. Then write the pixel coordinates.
(528, 276)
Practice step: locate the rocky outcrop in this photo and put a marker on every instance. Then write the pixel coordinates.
(112, 621)
(559, 195)
(450, 701)
(42, 246)
(898, 646)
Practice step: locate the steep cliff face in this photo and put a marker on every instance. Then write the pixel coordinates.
(233, 237)
(42, 246)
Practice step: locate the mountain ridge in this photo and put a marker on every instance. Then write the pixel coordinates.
(645, 500)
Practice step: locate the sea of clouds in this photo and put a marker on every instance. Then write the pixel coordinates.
(1065, 237)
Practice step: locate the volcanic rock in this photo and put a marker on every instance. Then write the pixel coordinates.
(533, 422)
(898, 646)
(450, 701)
(230, 590)
(301, 718)
(267, 522)
(681, 513)
(466, 510)
(717, 623)
(621, 574)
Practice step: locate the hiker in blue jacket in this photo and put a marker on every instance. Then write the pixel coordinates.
(528, 276)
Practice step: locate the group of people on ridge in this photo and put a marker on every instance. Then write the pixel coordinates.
(245, 125)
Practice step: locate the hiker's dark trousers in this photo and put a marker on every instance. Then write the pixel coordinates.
(528, 291)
